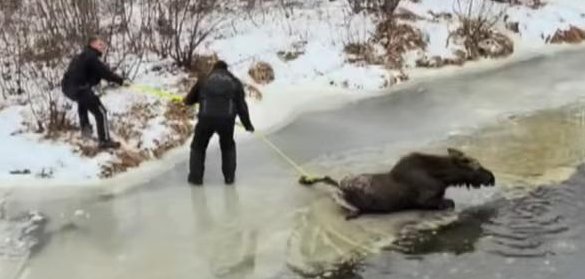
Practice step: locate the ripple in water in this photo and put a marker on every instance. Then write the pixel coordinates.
(541, 224)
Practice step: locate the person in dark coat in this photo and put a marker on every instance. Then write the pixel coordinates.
(83, 73)
(221, 98)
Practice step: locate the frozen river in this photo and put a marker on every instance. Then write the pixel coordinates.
(525, 122)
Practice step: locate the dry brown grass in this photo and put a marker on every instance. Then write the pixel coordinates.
(296, 50)
(129, 127)
(178, 119)
(534, 4)
(125, 160)
(573, 35)
(363, 52)
(397, 38)
(404, 14)
(497, 45)
(289, 55)
(253, 92)
(131, 124)
(438, 62)
(261, 72)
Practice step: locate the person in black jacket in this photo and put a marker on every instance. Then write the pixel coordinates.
(84, 72)
(221, 97)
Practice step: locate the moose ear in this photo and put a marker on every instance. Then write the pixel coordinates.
(455, 153)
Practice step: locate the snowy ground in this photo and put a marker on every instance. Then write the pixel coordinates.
(306, 51)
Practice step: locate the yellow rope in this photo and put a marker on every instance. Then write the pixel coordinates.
(349, 241)
(284, 156)
(288, 159)
(156, 92)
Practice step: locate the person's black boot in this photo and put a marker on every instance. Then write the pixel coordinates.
(87, 132)
(195, 181)
(109, 144)
(229, 181)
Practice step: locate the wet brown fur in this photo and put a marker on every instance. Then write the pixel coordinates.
(417, 181)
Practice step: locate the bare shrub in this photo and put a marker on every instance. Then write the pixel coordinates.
(180, 26)
(534, 4)
(58, 28)
(288, 7)
(498, 45)
(355, 32)
(253, 92)
(30, 71)
(478, 20)
(40, 36)
(398, 38)
(297, 49)
(125, 32)
(381, 7)
(388, 42)
(356, 49)
(289, 55)
(405, 14)
(363, 52)
(261, 73)
(356, 36)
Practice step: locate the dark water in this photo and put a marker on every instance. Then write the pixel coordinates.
(540, 235)
(534, 227)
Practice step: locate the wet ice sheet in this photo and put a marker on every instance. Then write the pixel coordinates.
(322, 240)
(538, 148)
(539, 235)
(18, 237)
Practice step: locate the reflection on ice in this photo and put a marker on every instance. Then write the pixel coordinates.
(232, 243)
(322, 239)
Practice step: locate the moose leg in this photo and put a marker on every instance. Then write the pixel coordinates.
(352, 211)
(431, 195)
(352, 215)
(446, 204)
(437, 204)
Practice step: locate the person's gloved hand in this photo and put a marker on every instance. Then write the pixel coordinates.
(250, 129)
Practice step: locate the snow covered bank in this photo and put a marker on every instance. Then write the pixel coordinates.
(308, 53)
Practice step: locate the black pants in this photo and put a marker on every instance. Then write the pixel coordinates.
(87, 101)
(204, 130)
